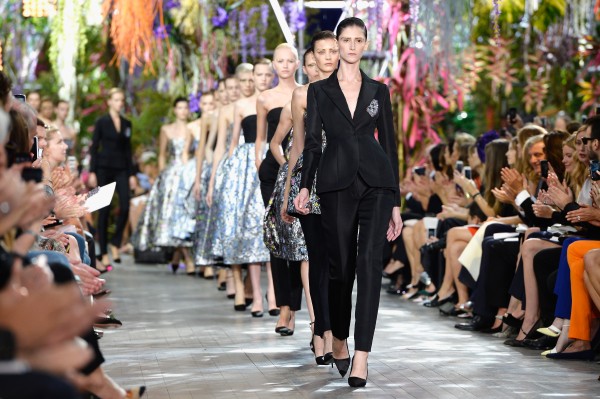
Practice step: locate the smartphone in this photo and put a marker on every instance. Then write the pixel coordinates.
(543, 121)
(72, 163)
(432, 175)
(32, 174)
(468, 174)
(512, 115)
(584, 118)
(594, 167)
(419, 170)
(35, 149)
(459, 166)
(544, 165)
(20, 97)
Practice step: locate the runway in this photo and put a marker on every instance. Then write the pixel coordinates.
(182, 339)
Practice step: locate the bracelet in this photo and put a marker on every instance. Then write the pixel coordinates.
(475, 195)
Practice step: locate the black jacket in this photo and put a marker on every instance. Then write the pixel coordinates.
(111, 149)
(351, 145)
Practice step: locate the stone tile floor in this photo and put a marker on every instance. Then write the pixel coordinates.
(182, 339)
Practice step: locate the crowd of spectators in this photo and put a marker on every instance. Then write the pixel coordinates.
(51, 311)
(503, 233)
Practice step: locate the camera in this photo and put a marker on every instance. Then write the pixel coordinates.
(545, 168)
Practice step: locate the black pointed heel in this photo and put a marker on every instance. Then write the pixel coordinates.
(174, 267)
(257, 314)
(357, 382)
(342, 364)
(325, 360)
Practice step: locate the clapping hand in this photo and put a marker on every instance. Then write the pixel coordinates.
(542, 211)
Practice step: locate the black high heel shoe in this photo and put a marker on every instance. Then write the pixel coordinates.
(174, 267)
(342, 364)
(272, 312)
(357, 382)
(324, 360)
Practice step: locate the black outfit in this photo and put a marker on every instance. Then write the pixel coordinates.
(318, 271)
(287, 280)
(111, 161)
(358, 187)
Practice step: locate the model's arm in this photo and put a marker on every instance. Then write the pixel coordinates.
(162, 149)
(218, 153)
(199, 155)
(237, 127)
(298, 106)
(209, 126)
(312, 148)
(387, 138)
(261, 129)
(283, 128)
(189, 137)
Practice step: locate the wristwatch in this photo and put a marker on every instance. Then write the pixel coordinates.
(7, 345)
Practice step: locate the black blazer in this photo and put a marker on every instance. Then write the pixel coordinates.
(351, 145)
(111, 149)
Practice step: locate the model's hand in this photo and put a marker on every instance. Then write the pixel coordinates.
(257, 163)
(209, 195)
(395, 227)
(284, 215)
(301, 202)
(196, 190)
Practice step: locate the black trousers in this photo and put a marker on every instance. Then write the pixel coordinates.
(287, 278)
(318, 270)
(121, 177)
(498, 262)
(36, 385)
(343, 212)
(545, 266)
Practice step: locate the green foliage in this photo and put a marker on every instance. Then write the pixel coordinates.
(155, 108)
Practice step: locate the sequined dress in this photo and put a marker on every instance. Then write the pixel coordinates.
(184, 220)
(313, 199)
(284, 240)
(241, 231)
(209, 220)
(155, 228)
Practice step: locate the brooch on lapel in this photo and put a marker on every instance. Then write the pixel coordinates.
(373, 108)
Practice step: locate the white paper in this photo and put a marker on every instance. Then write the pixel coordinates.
(100, 197)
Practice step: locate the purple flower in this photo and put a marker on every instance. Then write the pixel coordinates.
(162, 31)
(220, 19)
(170, 4)
(195, 102)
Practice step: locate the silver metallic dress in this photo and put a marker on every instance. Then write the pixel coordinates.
(284, 240)
(207, 240)
(155, 228)
(241, 230)
(185, 204)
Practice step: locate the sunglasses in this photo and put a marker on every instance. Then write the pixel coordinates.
(586, 140)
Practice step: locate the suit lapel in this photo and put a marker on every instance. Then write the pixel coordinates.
(334, 92)
(368, 90)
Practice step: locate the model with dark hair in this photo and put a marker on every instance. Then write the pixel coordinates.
(364, 194)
